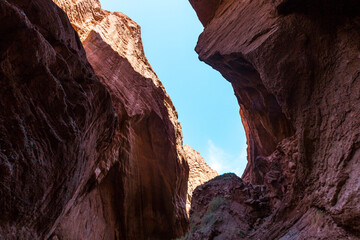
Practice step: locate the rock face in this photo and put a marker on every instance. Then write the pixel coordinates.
(295, 69)
(199, 172)
(226, 208)
(56, 118)
(84, 154)
(140, 185)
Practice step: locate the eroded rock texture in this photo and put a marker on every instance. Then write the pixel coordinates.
(226, 208)
(82, 158)
(199, 172)
(295, 69)
(56, 118)
(139, 187)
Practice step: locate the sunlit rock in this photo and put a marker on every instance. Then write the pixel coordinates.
(199, 172)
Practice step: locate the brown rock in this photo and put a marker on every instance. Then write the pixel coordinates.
(56, 118)
(139, 187)
(205, 9)
(295, 69)
(68, 168)
(199, 172)
(226, 208)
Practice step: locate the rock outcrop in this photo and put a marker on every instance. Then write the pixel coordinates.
(199, 172)
(295, 69)
(140, 185)
(227, 208)
(56, 118)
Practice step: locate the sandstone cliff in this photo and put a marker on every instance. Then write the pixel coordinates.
(295, 69)
(199, 172)
(140, 185)
(56, 118)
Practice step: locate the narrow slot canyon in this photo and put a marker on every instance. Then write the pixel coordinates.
(91, 146)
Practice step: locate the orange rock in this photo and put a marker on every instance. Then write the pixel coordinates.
(199, 172)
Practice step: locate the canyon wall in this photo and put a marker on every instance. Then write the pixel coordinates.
(295, 69)
(86, 151)
(56, 118)
(140, 184)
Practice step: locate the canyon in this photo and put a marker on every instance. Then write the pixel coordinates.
(91, 146)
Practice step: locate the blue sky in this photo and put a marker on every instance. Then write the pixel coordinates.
(205, 101)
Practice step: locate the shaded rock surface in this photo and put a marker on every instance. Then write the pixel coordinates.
(56, 118)
(139, 188)
(295, 70)
(84, 156)
(226, 208)
(199, 172)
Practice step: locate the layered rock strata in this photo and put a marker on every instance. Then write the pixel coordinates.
(56, 118)
(199, 172)
(295, 69)
(139, 187)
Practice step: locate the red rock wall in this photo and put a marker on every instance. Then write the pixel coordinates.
(79, 160)
(141, 182)
(295, 69)
(56, 118)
